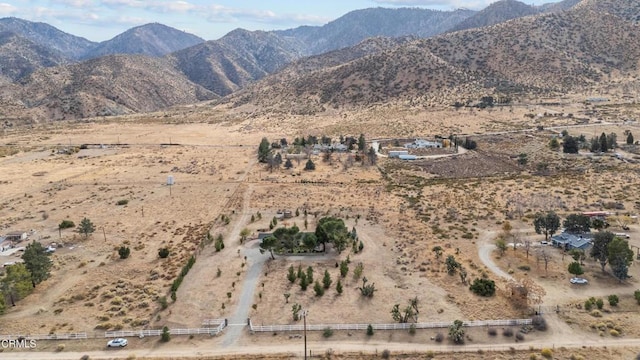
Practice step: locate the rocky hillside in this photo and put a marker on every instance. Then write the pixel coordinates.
(497, 12)
(240, 57)
(151, 39)
(20, 56)
(558, 52)
(111, 85)
(46, 36)
(358, 25)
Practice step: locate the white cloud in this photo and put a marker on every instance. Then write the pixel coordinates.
(7, 9)
(218, 13)
(443, 4)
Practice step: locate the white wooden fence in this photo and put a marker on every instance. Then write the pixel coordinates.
(70, 336)
(393, 326)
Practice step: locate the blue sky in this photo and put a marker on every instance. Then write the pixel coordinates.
(99, 20)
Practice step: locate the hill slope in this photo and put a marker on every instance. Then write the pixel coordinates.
(150, 39)
(111, 85)
(497, 12)
(67, 45)
(556, 52)
(20, 56)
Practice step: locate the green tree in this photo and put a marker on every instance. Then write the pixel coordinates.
(295, 310)
(604, 146)
(304, 282)
(269, 244)
(65, 224)
(620, 257)
(569, 145)
(369, 330)
(575, 268)
(244, 234)
(318, 289)
(554, 144)
(326, 280)
(309, 274)
(163, 253)
(291, 276)
(577, 224)
(357, 272)
(264, 149)
(309, 240)
(339, 287)
(17, 283)
(630, 139)
(344, 268)
(165, 336)
(600, 248)
(3, 304)
(36, 260)
(332, 230)
(546, 224)
(456, 332)
(452, 264)
(310, 166)
(372, 156)
(361, 142)
(613, 300)
(86, 227)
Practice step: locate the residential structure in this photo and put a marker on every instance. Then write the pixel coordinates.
(569, 241)
(423, 144)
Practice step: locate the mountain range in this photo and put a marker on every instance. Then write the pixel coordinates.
(367, 56)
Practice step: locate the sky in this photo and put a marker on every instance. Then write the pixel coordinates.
(99, 20)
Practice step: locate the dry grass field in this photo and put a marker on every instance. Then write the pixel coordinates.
(401, 210)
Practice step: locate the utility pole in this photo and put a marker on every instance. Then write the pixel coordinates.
(304, 316)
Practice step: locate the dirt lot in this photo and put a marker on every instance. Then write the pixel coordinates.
(400, 211)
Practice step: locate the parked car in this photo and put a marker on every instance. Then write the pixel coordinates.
(577, 280)
(120, 342)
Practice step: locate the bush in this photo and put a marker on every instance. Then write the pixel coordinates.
(613, 300)
(483, 287)
(412, 329)
(65, 224)
(636, 294)
(163, 253)
(548, 353)
(539, 323)
(614, 332)
(599, 304)
(439, 337)
(519, 336)
(60, 347)
(163, 302)
(166, 336)
(327, 332)
(370, 330)
(124, 252)
(386, 354)
(492, 331)
(122, 202)
(84, 357)
(508, 332)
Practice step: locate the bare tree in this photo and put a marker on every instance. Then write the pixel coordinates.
(542, 255)
(527, 247)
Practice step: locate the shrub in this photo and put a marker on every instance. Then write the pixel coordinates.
(163, 253)
(588, 305)
(524, 267)
(613, 300)
(163, 302)
(124, 252)
(614, 332)
(65, 224)
(84, 357)
(412, 329)
(122, 202)
(492, 331)
(60, 347)
(386, 354)
(483, 287)
(319, 290)
(548, 353)
(166, 336)
(327, 332)
(539, 323)
(508, 332)
(596, 313)
(439, 337)
(370, 330)
(599, 304)
(519, 336)
(636, 295)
